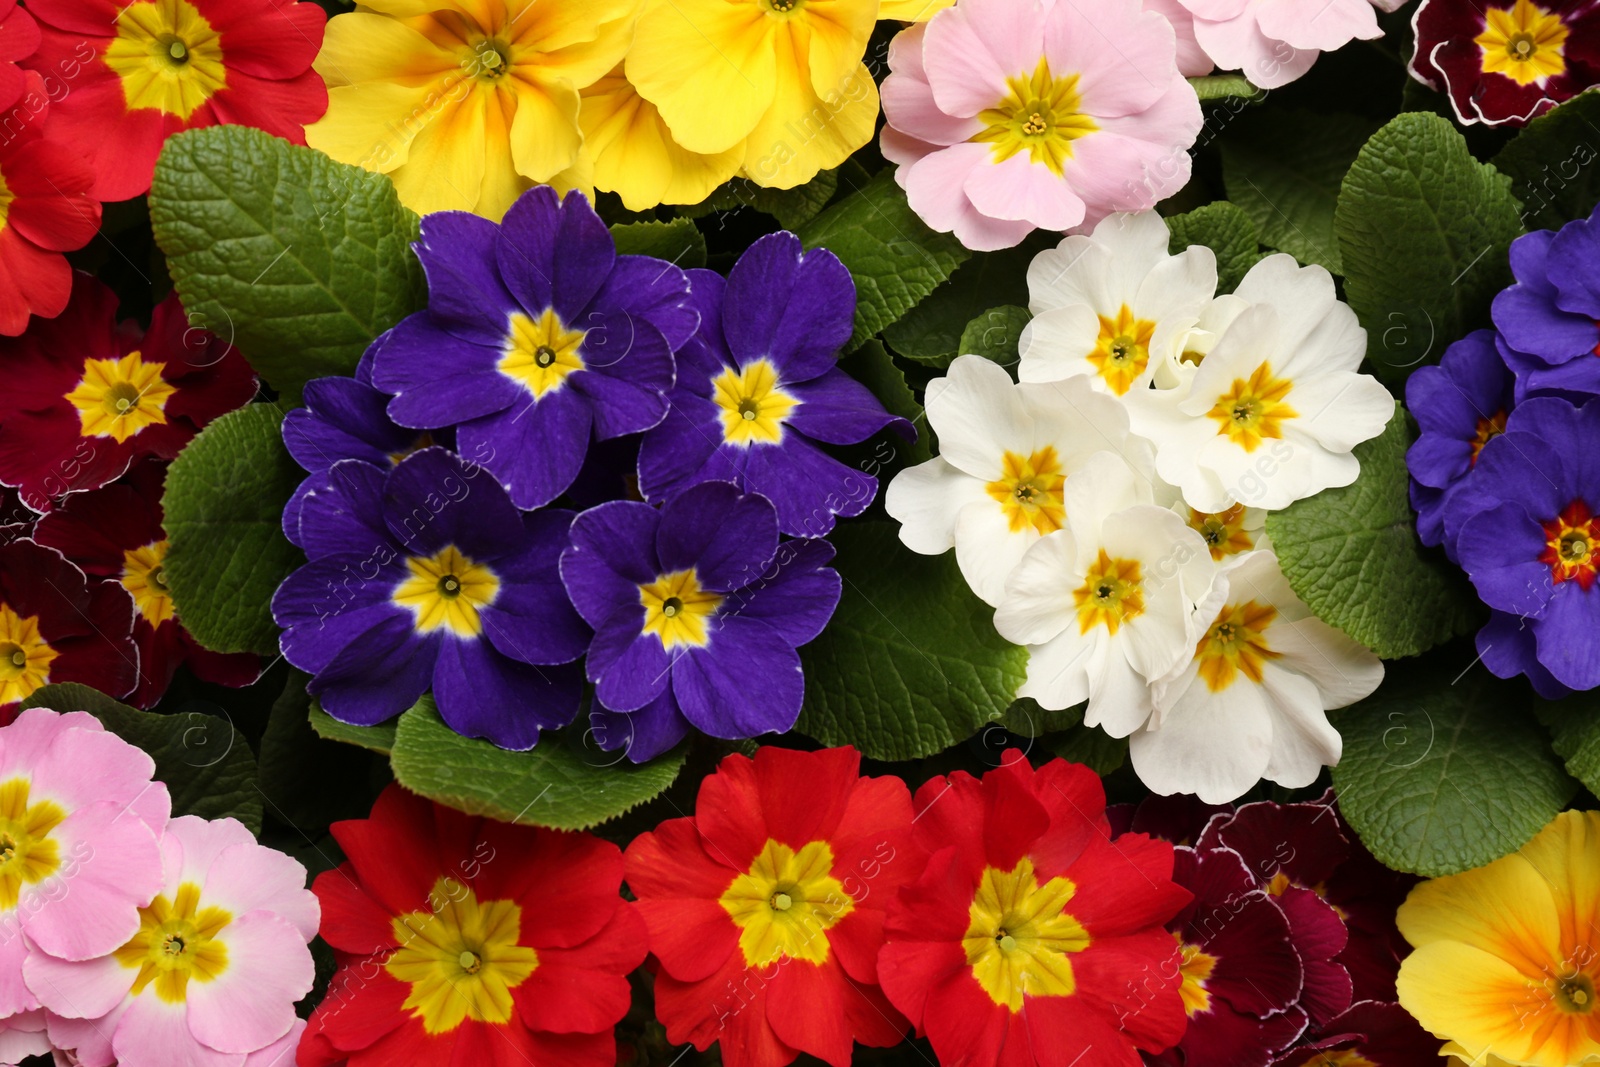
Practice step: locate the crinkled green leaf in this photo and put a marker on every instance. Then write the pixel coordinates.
(911, 663)
(226, 551)
(894, 258)
(933, 332)
(1224, 229)
(1422, 230)
(1353, 556)
(1575, 734)
(298, 260)
(1550, 163)
(205, 763)
(1283, 168)
(1223, 86)
(791, 207)
(562, 783)
(379, 738)
(1439, 776)
(679, 242)
(995, 333)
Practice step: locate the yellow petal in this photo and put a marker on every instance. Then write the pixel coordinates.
(366, 125)
(912, 10)
(501, 182)
(446, 165)
(1566, 856)
(579, 40)
(634, 155)
(803, 133)
(838, 31)
(1481, 1001)
(544, 132)
(1504, 909)
(709, 66)
(360, 47)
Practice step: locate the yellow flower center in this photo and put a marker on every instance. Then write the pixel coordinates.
(540, 353)
(1020, 939)
(167, 56)
(1253, 409)
(1573, 993)
(1029, 490)
(783, 9)
(488, 60)
(1223, 531)
(1123, 349)
(1524, 42)
(117, 398)
(1487, 430)
(6, 197)
(785, 904)
(676, 609)
(754, 409)
(446, 590)
(144, 576)
(1112, 594)
(177, 941)
(1236, 643)
(24, 656)
(424, 440)
(1040, 114)
(1195, 969)
(461, 960)
(1572, 546)
(27, 853)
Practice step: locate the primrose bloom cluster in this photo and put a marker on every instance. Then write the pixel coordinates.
(550, 374)
(1506, 472)
(1109, 505)
(128, 937)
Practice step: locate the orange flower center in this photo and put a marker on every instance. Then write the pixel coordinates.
(1488, 430)
(1572, 545)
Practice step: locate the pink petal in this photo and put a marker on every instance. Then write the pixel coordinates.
(1022, 190)
(90, 1039)
(1216, 10)
(85, 990)
(1333, 24)
(1192, 59)
(14, 993)
(1131, 163)
(281, 1052)
(246, 877)
(24, 742)
(902, 149)
(22, 1036)
(933, 185)
(110, 867)
(970, 50)
(87, 765)
(201, 842)
(908, 103)
(251, 1003)
(1239, 45)
(154, 1033)
(1124, 56)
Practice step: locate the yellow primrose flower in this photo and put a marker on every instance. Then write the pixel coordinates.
(633, 153)
(466, 103)
(912, 10)
(1507, 960)
(782, 77)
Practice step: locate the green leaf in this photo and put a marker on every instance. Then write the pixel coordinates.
(1438, 778)
(308, 782)
(379, 738)
(1224, 229)
(873, 367)
(679, 242)
(1224, 86)
(791, 207)
(894, 258)
(226, 553)
(296, 259)
(1353, 556)
(1549, 163)
(1422, 230)
(911, 663)
(995, 333)
(561, 783)
(1092, 747)
(1575, 734)
(1063, 734)
(932, 331)
(1283, 169)
(204, 762)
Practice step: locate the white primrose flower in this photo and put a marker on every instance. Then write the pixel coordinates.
(1251, 700)
(1272, 410)
(1106, 604)
(1113, 306)
(1006, 453)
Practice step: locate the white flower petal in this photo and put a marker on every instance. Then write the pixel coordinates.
(926, 499)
